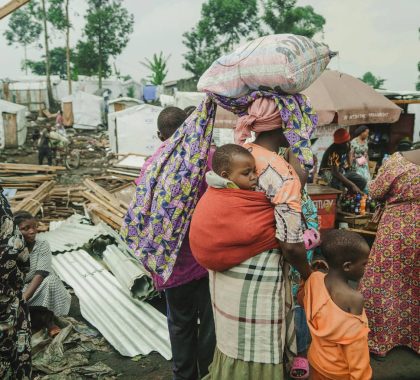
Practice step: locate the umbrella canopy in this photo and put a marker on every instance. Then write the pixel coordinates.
(345, 100)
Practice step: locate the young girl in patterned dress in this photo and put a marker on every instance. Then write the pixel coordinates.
(44, 291)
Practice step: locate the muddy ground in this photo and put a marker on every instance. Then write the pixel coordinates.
(400, 364)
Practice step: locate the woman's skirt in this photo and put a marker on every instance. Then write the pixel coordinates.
(253, 313)
(52, 295)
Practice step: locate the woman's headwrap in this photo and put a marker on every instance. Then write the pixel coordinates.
(263, 115)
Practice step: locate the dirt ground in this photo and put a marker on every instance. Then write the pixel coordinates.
(400, 364)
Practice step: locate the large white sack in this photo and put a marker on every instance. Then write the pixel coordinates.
(285, 61)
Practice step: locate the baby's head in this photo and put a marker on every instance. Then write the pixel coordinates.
(236, 164)
(346, 252)
(28, 225)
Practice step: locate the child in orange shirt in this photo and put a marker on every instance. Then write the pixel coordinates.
(335, 313)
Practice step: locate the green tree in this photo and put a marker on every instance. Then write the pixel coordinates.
(58, 64)
(372, 80)
(86, 60)
(222, 25)
(283, 16)
(23, 30)
(158, 68)
(58, 16)
(108, 27)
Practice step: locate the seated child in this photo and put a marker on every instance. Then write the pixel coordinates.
(44, 291)
(230, 199)
(335, 313)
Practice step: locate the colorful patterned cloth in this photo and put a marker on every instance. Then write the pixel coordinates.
(390, 285)
(15, 329)
(158, 218)
(360, 166)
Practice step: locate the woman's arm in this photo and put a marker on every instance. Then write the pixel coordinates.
(32, 287)
(345, 181)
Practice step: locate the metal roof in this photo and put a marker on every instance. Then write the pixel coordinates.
(71, 235)
(132, 327)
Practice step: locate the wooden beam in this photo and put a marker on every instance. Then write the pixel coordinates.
(11, 6)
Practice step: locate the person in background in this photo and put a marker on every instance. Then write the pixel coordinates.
(360, 156)
(44, 146)
(335, 164)
(334, 311)
(45, 293)
(187, 289)
(15, 328)
(59, 126)
(391, 282)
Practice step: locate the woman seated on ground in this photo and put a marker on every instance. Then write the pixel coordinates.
(45, 293)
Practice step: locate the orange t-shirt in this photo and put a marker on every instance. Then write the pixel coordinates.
(276, 177)
(339, 347)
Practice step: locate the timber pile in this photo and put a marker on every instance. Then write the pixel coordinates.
(104, 205)
(63, 202)
(27, 177)
(33, 202)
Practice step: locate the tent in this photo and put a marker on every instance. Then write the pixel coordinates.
(121, 104)
(82, 110)
(134, 130)
(13, 128)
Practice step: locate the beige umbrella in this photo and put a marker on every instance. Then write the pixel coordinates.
(345, 100)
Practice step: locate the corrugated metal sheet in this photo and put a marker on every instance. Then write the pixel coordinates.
(129, 273)
(70, 236)
(132, 327)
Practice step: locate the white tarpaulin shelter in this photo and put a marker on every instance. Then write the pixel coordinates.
(13, 128)
(82, 110)
(121, 104)
(134, 130)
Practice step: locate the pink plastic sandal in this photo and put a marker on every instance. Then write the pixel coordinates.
(300, 368)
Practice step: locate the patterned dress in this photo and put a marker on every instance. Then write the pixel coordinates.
(360, 151)
(51, 294)
(15, 329)
(390, 285)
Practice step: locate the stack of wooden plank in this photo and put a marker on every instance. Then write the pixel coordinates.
(33, 202)
(104, 205)
(27, 177)
(62, 202)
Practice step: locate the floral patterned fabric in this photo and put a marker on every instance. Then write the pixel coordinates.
(15, 332)
(360, 166)
(159, 216)
(390, 285)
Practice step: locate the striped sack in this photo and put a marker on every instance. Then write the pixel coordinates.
(283, 62)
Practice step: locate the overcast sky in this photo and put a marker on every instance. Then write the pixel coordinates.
(371, 35)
